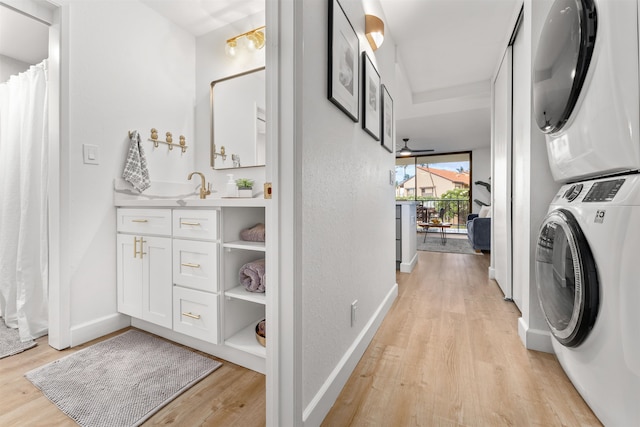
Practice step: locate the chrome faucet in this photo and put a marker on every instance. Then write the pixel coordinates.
(204, 189)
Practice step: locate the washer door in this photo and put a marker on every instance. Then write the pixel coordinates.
(562, 60)
(567, 278)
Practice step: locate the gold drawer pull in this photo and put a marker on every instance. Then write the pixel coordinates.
(139, 220)
(189, 223)
(188, 264)
(135, 247)
(191, 315)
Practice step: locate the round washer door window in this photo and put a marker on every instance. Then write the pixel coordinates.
(562, 60)
(567, 278)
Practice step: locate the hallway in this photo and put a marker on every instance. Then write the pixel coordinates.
(448, 354)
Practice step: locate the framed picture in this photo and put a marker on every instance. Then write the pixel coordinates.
(388, 129)
(344, 70)
(370, 98)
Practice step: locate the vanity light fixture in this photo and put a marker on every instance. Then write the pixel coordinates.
(374, 30)
(254, 40)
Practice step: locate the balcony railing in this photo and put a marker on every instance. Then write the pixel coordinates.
(454, 211)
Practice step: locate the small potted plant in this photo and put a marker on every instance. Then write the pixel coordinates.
(245, 187)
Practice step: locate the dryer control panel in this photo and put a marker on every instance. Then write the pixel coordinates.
(603, 191)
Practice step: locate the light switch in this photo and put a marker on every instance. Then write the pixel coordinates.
(91, 154)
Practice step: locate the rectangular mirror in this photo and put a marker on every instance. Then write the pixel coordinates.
(238, 120)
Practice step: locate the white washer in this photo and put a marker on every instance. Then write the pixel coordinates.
(587, 270)
(586, 97)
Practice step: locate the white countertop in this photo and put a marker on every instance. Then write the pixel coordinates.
(174, 195)
(127, 200)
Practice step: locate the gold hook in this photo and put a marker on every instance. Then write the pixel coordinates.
(154, 137)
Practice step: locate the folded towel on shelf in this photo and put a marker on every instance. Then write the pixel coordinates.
(252, 276)
(253, 234)
(135, 168)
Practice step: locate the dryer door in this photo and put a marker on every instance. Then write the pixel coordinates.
(567, 278)
(562, 60)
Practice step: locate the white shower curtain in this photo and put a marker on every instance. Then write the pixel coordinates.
(23, 202)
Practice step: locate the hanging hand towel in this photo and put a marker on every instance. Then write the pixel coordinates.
(135, 168)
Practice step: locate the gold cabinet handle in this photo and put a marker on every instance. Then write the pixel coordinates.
(139, 220)
(191, 315)
(189, 223)
(135, 247)
(188, 264)
(142, 242)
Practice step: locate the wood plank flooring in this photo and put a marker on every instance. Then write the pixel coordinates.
(448, 354)
(230, 396)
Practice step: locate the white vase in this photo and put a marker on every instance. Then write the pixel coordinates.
(245, 192)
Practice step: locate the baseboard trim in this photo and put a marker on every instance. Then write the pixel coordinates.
(534, 339)
(322, 402)
(97, 328)
(407, 267)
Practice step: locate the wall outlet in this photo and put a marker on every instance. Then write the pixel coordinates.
(354, 308)
(392, 177)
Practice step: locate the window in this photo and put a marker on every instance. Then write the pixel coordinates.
(436, 182)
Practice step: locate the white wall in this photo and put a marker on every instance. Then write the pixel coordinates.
(348, 217)
(481, 171)
(124, 67)
(10, 66)
(533, 184)
(213, 64)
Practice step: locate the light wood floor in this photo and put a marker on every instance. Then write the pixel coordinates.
(230, 396)
(447, 354)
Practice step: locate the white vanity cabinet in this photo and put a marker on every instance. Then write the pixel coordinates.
(144, 264)
(195, 273)
(183, 282)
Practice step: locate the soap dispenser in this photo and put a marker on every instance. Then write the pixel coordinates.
(232, 189)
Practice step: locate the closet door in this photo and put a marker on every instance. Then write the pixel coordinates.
(501, 243)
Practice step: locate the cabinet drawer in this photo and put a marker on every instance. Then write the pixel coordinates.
(196, 224)
(195, 313)
(145, 221)
(195, 264)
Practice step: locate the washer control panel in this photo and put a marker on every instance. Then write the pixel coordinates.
(603, 191)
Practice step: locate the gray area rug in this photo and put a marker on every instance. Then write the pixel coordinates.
(10, 341)
(454, 245)
(121, 381)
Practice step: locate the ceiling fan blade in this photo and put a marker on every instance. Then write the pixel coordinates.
(406, 151)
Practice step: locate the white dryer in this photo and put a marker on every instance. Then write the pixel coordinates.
(585, 88)
(587, 270)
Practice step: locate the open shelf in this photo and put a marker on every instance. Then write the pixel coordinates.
(239, 292)
(246, 341)
(242, 244)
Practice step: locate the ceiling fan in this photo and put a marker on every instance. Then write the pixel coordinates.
(406, 151)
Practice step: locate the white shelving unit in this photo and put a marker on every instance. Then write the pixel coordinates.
(241, 244)
(246, 341)
(239, 292)
(243, 309)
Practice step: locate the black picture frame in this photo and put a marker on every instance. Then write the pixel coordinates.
(344, 64)
(370, 98)
(387, 132)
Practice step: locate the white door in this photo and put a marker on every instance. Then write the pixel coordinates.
(521, 157)
(129, 281)
(156, 283)
(501, 178)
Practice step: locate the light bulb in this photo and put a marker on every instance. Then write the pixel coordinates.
(230, 48)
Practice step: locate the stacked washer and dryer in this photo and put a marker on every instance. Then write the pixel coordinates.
(586, 99)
